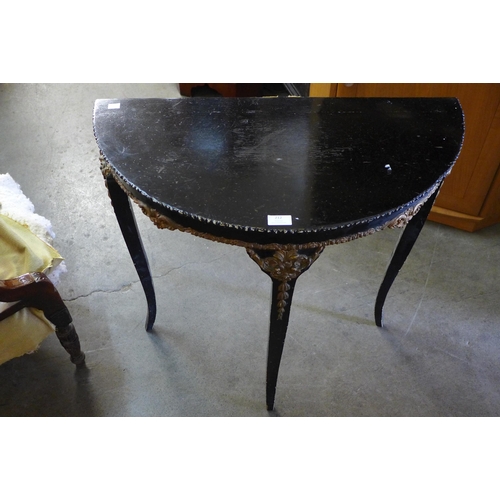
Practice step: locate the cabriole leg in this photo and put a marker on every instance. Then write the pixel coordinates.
(128, 226)
(284, 266)
(403, 249)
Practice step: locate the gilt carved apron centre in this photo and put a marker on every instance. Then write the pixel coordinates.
(284, 265)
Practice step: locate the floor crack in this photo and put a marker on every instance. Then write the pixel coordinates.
(121, 289)
(126, 287)
(171, 270)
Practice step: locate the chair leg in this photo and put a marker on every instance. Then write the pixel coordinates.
(69, 340)
(36, 290)
(66, 334)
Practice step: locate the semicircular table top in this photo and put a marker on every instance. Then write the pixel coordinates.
(283, 177)
(324, 163)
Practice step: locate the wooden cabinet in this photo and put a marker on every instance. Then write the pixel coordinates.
(470, 196)
(224, 89)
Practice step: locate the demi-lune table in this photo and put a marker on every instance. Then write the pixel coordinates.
(281, 177)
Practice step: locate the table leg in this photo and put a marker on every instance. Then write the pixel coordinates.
(284, 266)
(281, 303)
(403, 249)
(128, 226)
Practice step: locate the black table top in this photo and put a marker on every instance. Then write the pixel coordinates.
(330, 165)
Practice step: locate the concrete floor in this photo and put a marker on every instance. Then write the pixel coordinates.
(438, 355)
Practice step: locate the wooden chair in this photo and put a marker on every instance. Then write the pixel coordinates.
(30, 305)
(37, 291)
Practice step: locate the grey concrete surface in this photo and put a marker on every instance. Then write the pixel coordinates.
(438, 354)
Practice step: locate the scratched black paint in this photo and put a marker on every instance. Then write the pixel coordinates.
(233, 162)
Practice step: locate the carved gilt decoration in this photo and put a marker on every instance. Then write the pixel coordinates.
(159, 220)
(105, 166)
(405, 217)
(285, 265)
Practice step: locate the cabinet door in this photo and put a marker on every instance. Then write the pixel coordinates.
(466, 188)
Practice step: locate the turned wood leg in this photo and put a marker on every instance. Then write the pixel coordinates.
(67, 335)
(126, 220)
(69, 340)
(403, 249)
(36, 290)
(284, 266)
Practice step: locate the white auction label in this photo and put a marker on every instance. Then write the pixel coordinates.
(115, 105)
(279, 220)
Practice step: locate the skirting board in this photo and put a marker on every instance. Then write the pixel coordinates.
(459, 220)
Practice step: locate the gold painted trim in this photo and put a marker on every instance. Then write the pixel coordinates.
(285, 265)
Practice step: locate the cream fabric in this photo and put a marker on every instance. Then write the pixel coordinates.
(22, 333)
(21, 251)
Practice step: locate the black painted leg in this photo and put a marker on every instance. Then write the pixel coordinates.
(284, 266)
(280, 313)
(403, 249)
(128, 226)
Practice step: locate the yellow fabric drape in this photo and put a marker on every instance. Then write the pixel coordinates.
(22, 252)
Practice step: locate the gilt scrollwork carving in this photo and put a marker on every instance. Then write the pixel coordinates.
(405, 217)
(159, 220)
(284, 265)
(105, 166)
